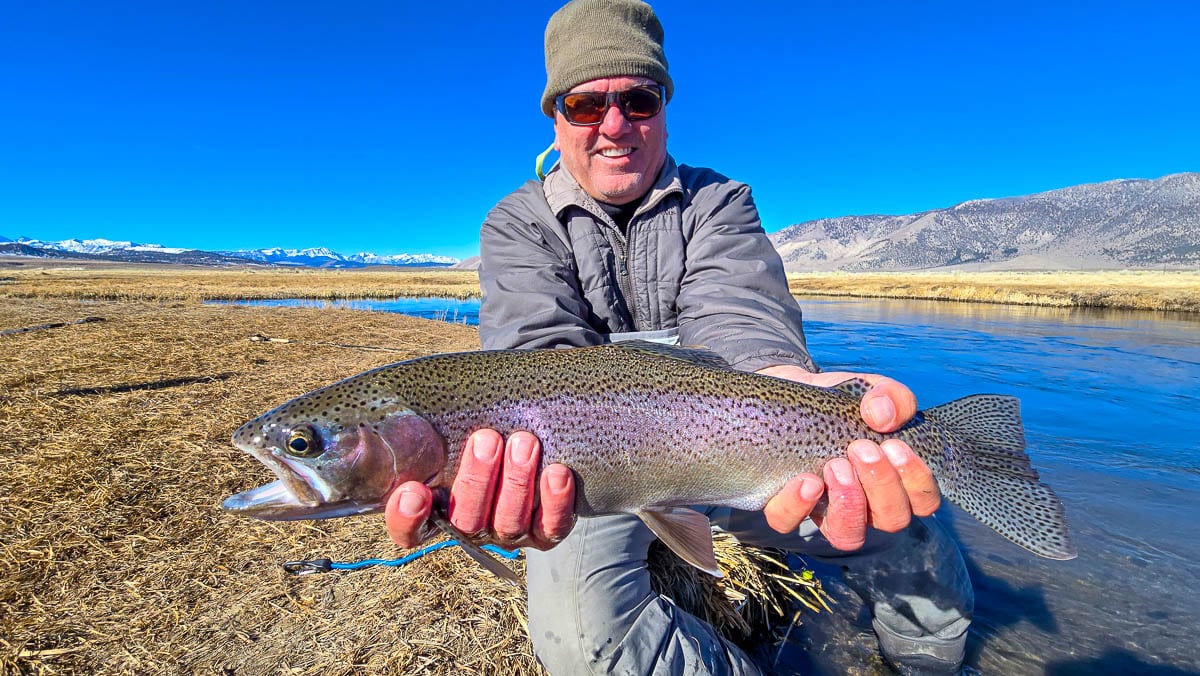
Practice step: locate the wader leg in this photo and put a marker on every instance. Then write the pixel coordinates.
(914, 581)
(591, 610)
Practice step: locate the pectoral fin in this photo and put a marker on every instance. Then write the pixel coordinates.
(687, 532)
(473, 550)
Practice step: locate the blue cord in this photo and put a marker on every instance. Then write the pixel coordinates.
(416, 555)
(322, 565)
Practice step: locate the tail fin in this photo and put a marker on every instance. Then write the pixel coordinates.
(982, 466)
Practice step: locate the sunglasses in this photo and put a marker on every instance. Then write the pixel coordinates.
(587, 109)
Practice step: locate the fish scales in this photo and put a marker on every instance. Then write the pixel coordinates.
(668, 435)
(647, 429)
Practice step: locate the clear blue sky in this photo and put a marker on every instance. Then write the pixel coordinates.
(394, 126)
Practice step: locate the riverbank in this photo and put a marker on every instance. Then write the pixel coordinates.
(1173, 290)
(39, 278)
(115, 557)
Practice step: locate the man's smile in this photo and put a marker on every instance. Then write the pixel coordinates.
(615, 152)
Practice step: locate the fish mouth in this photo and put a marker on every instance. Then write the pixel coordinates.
(276, 502)
(299, 493)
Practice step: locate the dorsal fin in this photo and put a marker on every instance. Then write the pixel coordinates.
(855, 387)
(700, 356)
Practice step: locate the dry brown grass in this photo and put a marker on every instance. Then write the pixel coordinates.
(106, 281)
(115, 558)
(33, 278)
(1133, 290)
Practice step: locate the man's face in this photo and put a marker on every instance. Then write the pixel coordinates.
(616, 161)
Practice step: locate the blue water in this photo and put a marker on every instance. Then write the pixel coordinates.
(453, 310)
(1111, 403)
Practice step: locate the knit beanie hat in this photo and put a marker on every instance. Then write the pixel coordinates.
(591, 39)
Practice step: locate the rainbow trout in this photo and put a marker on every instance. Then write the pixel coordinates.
(647, 429)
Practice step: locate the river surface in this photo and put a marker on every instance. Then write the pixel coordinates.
(1111, 403)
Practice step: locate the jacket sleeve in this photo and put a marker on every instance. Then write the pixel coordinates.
(532, 296)
(734, 297)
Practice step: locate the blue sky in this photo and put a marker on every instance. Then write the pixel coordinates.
(393, 127)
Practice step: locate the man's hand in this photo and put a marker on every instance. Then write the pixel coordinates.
(881, 485)
(494, 494)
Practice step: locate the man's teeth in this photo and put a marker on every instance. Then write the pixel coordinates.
(616, 152)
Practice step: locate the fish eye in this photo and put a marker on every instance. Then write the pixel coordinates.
(302, 442)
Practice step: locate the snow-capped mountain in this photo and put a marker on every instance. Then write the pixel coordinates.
(324, 258)
(157, 253)
(97, 246)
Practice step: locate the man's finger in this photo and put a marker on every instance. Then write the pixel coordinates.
(475, 484)
(794, 503)
(887, 502)
(406, 511)
(845, 520)
(888, 405)
(555, 516)
(514, 502)
(919, 484)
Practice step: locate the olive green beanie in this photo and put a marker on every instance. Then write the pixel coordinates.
(590, 39)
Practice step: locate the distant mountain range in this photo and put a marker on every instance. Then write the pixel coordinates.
(104, 249)
(1133, 223)
(1111, 225)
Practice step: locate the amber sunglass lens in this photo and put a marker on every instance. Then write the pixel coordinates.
(584, 107)
(640, 104)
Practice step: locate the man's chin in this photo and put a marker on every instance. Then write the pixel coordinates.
(622, 193)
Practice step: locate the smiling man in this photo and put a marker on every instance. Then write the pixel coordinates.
(615, 156)
(620, 242)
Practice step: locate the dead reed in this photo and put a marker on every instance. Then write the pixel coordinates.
(32, 278)
(114, 557)
(107, 281)
(1132, 290)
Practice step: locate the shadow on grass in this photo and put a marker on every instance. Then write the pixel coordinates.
(137, 387)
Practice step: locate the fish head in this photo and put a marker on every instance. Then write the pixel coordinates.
(335, 455)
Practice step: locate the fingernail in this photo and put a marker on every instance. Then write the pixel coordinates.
(880, 411)
(520, 450)
(411, 503)
(483, 451)
(867, 452)
(842, 471)
(557, 478)
(896, 454)
(811, 489)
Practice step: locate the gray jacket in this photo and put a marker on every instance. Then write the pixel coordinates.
(556, 271)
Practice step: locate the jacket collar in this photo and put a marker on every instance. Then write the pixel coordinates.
(563, 191)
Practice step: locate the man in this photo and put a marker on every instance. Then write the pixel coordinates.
(621, 242)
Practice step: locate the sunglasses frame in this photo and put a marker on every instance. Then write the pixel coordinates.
(612, 98)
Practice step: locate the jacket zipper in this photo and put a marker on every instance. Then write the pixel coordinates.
(624, 276)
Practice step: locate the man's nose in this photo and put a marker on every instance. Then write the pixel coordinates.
(614, 123)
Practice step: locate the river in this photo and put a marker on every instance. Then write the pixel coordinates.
(1111, 403)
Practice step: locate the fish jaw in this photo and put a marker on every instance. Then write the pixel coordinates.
(275, 502)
